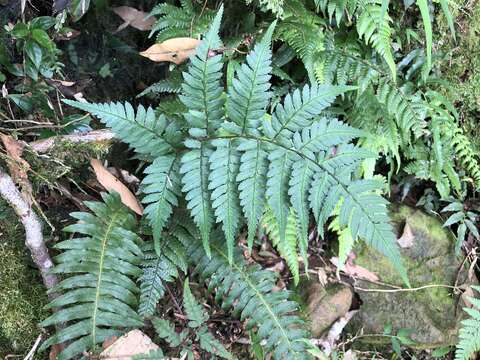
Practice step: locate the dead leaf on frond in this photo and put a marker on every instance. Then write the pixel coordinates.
(134, 18)
(175, 50)
(111, 183)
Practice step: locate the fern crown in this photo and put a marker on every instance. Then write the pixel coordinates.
(235, 159)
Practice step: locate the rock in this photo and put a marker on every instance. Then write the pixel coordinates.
(133, 343)
(326, 304)
(432, 313)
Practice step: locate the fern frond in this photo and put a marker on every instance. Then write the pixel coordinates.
(287, 248)
(184, 21)
(249, 291)
(373, 25)
(249, 94)
(162, 188)
(224, 166)
(201, 90)
(158, 270)
(172, 85)
(195, 313)
(469, 335)
(252, 179)
(99, 293)
(143, 130)
(166, 331)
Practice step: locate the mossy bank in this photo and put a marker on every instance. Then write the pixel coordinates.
(22, 296)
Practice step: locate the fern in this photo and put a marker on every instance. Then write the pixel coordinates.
(99, 293)
(184, 21)
(159, 269)
(303, 160)
(373, 25)
(469, 336)
(196, 331)
(275, 6)
(249, 291)
(288, 247)
(143, 130)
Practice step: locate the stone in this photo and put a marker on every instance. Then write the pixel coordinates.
(326, 304)
(126, 347)
(433, 313)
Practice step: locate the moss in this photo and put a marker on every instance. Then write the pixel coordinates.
(461, 68)
(430, 260)
(22, 296)
(63, 158)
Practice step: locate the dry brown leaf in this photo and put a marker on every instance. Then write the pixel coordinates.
(17, 166)
(406, 240)
(355, 271)
(135, 18)
(175, 50)
(110, 182)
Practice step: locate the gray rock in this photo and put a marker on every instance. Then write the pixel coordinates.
(433, 313)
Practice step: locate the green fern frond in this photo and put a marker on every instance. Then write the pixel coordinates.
(409, 113)
(469, 335)
(201, 90)
(275, 6)
(158, 270)
(184, 21)
(166, 331)
(224, 169)
(295, 158)
(287, 248)
(249, 291)
(143, 130)
(171, 85)
(195, 313)
(161, 187)
(373, 25)
(99, 294)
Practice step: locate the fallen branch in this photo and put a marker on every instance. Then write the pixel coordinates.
(33, 229)
(42, 146)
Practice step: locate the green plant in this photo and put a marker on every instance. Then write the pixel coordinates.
(99, 294)
(469, 335)
(235, 160)
(466, 220)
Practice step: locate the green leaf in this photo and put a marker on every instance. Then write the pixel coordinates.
(34, 52)
(193, 309)
(454, 218)
(42, 38)
(427, 25)
(98, 293)
(448, 16)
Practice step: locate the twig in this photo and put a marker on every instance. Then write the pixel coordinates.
(406, 289)
(43, 146)
(33, 230)
(33, 349)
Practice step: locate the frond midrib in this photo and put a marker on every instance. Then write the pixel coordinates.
(99, 276)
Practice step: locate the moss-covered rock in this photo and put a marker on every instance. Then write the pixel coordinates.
(22, 296)
(433, 312)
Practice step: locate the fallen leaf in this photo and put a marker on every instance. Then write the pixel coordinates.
(355, 271)
(110, 182)
(135, 18)
(17, 166)
(175, 50)
(54, 351)
(406, 240)
(107, 342)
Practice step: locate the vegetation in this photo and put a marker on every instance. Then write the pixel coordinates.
(278, 127)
